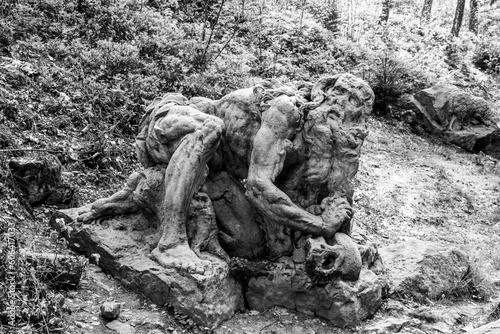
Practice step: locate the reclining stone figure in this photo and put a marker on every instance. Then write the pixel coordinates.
(292, 152)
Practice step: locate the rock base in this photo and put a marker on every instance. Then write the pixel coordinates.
(122, 247)
(424, 270)
(285, 283)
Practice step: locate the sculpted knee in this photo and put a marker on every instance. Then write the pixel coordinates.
(254, 188)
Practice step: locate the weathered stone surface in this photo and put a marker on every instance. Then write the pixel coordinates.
(325, 262)
(286, 283)
(239, 232)
(124, 245)
(441, 327)
(422, 269)
(40, 180)
(461, 118)
(342, 303)
(388, 325)
(120, 327)
(275, 165)
(490, 328)
(110, 310)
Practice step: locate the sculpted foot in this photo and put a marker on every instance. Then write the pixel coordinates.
(182, 258)
(87, 216)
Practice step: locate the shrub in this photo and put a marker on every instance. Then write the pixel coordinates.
(392, 77)
(474, 285)
(487, 56)
(25, 301)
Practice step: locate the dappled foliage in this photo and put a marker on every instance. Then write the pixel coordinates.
(487, 56)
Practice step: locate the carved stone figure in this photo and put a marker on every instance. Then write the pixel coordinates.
(273, 168)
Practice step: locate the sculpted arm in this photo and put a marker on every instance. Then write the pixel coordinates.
(268, 156)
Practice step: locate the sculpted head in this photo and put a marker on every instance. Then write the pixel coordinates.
(344, 98)
(334, 122)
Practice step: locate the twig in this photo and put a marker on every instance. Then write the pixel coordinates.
(268, 325)
(212, 32)
(229, 40)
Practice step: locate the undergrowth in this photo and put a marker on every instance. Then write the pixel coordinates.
(474, 285)
(29, 300)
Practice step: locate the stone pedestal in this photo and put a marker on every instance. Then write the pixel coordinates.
(122, 247)
(286, 283)
(342, 303)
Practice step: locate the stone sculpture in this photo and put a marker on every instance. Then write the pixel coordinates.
(263, 176)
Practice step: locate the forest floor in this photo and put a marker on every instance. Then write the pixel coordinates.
(407, 186)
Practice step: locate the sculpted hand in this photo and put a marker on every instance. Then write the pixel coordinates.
(336, 212)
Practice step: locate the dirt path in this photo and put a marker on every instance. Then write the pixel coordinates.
(411, 186)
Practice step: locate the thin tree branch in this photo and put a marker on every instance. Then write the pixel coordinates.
(227, 42)
(212, 32)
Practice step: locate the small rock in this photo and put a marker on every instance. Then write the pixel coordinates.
(491, 328)
(110, 310)
(468, 328)
(388, 325)
(426, 313)
(495, 312)
(442, 327)
(395, 306)
(120, 327)
(413, 330)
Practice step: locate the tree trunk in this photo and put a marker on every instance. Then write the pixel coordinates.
(473, 21)
(302, 16)
(459, 16)
(426, 11)
(386, 6)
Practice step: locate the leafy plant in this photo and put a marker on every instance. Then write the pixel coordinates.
(487, 56)
(26, 302)
(391, 78)
(474, 285)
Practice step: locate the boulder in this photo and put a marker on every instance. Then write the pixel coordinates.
(39, 179)
(424, 270)
(461, 118)
(110, 310)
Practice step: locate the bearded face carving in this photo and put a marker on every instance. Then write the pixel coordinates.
(334, 129)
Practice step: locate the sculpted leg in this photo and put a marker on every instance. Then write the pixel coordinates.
(184, 175)
(119, 203)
